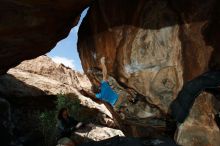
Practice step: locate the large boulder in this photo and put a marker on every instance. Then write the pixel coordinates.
(152, 49)
(30, 28)
(96, 133)
(200, 127)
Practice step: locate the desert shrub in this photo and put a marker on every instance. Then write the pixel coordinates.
(47, 127)
(71, 102)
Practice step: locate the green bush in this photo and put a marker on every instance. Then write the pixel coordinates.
(47, 125)
(71, 102)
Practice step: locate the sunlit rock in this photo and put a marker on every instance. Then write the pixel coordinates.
(200, 127)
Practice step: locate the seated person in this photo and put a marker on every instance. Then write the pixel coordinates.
(66, 124)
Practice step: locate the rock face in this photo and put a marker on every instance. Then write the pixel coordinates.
(200, 127)
(42, 73)
(41, 76)
(30, 28)
(152, 48)
(32, 87)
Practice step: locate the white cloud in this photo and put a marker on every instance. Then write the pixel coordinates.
(67, 62)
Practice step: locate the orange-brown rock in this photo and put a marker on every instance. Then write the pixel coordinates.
(200, 128)
(30, 28)
(152, 47)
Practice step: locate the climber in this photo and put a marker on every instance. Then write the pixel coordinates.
(66, 124)
(106, 93)
(114, 94)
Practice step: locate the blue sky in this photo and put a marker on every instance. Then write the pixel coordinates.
(66, 50)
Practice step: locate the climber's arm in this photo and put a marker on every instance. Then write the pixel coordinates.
(104, 69)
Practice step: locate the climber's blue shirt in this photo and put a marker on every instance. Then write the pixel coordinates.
(107, 94)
